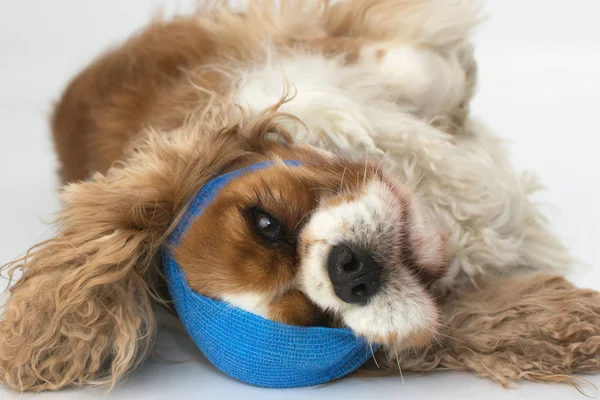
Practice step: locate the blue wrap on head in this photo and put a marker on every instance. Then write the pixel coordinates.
(249, 347)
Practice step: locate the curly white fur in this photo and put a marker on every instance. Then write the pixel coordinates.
(464, 178)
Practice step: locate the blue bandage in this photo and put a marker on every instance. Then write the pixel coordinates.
(249, 347)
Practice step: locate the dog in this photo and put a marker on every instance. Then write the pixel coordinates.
(403, 221)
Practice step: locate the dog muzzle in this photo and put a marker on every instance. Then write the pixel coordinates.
(246, 346)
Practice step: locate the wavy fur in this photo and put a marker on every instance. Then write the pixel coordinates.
(81, 314)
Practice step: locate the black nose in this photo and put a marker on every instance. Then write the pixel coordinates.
(355, 275)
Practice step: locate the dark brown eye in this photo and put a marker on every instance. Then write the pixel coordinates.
(267, 227)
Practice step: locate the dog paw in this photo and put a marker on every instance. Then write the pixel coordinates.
(418, 75)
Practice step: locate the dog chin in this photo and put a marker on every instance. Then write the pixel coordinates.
(395, 320)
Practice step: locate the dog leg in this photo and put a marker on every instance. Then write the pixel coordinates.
(424, 48)
(418, 76)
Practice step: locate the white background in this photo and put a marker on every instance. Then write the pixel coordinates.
(539, 88)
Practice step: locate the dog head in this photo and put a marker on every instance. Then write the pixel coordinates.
(331, 241)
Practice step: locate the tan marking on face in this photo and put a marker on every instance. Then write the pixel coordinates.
(222, 254)
(414, 340)
(294, 308)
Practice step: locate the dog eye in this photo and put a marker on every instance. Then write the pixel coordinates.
(266, 226)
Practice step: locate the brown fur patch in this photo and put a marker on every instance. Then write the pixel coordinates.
(294, 308)
(134, 86)
(221, 253)
(153, 79)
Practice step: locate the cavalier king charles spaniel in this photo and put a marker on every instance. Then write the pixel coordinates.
(403, 221)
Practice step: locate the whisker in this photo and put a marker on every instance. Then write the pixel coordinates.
(365, 171)
(304, 217)
(449, 337)
(373, 354)
(398, 362)
(435, 334)
(416, 183)
(378, 166)
(343, 175)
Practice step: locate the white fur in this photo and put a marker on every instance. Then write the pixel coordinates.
(385, 106)
(464, 180)
(418, 76)
(253, 302)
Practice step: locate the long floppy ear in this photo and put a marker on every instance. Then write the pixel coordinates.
(538, 327)
(81, 313)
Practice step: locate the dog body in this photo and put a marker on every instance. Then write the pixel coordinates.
(374, 95)
(364, 91)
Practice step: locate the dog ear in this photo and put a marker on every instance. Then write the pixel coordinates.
(535, 327)
(81, 313)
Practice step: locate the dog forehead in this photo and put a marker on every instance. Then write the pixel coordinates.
(278, 187)
(306, 179)
(278, 176)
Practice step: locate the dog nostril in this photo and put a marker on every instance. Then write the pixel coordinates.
(359, 292)
(355, 275)
(350, 263)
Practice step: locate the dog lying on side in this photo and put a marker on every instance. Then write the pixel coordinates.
(395, 182)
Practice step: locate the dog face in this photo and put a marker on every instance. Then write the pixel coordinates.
(329, 242)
